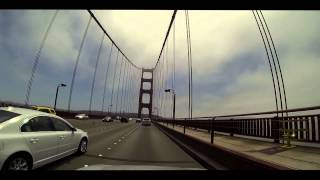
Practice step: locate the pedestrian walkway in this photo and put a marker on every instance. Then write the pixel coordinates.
(297, 158)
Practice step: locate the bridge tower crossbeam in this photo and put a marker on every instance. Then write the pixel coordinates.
(146, 91)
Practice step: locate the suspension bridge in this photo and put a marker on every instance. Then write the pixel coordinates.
(251, 140)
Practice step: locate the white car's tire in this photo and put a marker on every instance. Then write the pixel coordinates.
(18, 162)
(83, 146)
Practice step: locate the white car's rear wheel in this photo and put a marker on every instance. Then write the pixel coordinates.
(17, 163)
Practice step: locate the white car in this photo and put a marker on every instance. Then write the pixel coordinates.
(30, 139)
(146, 122)
(82, 116)
(107, 119)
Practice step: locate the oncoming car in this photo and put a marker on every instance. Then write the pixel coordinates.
(81, 116)
(44, 109)
(30, 139)
(107, 119)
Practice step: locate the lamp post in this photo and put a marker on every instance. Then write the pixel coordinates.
(174, 104)
(57, 91)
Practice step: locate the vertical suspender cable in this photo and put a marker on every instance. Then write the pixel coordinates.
(106, 77)
(159, 83)
(189, 63)
(167, 81)
(271, 71)
(157, 68)
(162, 89)
(95, 72)
(36, 60)
(279, 87)
(124, 82)
(130, 99)
(174, 58)
(124, 101)
(101, 27)
(120, 73)
(275, 52)
(77, 61)
(189, 91)
(114, 76)
(138, 79)
(129, 91)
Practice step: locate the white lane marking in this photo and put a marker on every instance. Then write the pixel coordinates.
(85, 165)
(108, 148)
(114, 143)
(119, 140)
(100, 155)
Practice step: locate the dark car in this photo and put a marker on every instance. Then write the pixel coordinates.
(124, 120)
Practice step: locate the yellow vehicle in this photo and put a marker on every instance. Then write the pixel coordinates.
(44, 109)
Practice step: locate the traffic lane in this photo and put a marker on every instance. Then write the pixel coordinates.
(97, 144)
(92, 126)
(100, 140)
(146, 145)
(89, 124)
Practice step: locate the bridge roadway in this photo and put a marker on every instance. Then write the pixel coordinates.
(130, 143)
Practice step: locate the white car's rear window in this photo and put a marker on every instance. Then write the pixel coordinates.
(6, 115)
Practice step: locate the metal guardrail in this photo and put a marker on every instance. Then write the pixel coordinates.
(305, 128)
(212, 156)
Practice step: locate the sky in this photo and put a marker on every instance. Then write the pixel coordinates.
(230, 68)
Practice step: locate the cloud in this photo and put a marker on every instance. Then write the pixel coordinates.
(225, 84)
(230, 69)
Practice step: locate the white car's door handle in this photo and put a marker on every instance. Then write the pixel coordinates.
(34, 140)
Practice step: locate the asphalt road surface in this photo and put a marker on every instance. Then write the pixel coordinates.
(130, 143)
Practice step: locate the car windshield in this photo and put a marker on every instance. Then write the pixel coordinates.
(6, 115)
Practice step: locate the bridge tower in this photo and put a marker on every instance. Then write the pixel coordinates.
(146, 91)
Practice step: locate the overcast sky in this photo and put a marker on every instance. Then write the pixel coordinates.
(230, 68)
